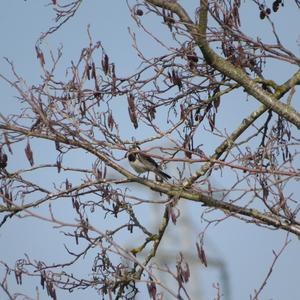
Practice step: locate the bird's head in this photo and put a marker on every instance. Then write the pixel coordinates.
(132, 151)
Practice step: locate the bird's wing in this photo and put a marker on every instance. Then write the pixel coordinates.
(149, 160)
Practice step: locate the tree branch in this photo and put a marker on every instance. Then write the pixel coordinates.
(224, 66)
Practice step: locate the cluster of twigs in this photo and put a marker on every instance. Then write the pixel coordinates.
(175, 98)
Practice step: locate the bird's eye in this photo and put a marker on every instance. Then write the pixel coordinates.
(131, 157)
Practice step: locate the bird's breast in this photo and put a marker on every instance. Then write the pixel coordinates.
(138, 166)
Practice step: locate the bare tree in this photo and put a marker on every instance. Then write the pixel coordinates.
(174, 103)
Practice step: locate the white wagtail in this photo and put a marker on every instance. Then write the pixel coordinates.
(142, 163)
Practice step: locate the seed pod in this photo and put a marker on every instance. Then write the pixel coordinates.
(139, 12)
(262, 14)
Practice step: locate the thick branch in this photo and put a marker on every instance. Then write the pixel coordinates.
(172, 190)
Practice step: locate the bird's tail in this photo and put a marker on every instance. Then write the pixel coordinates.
(163, 175)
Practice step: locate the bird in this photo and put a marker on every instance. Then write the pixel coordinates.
(142, 163)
